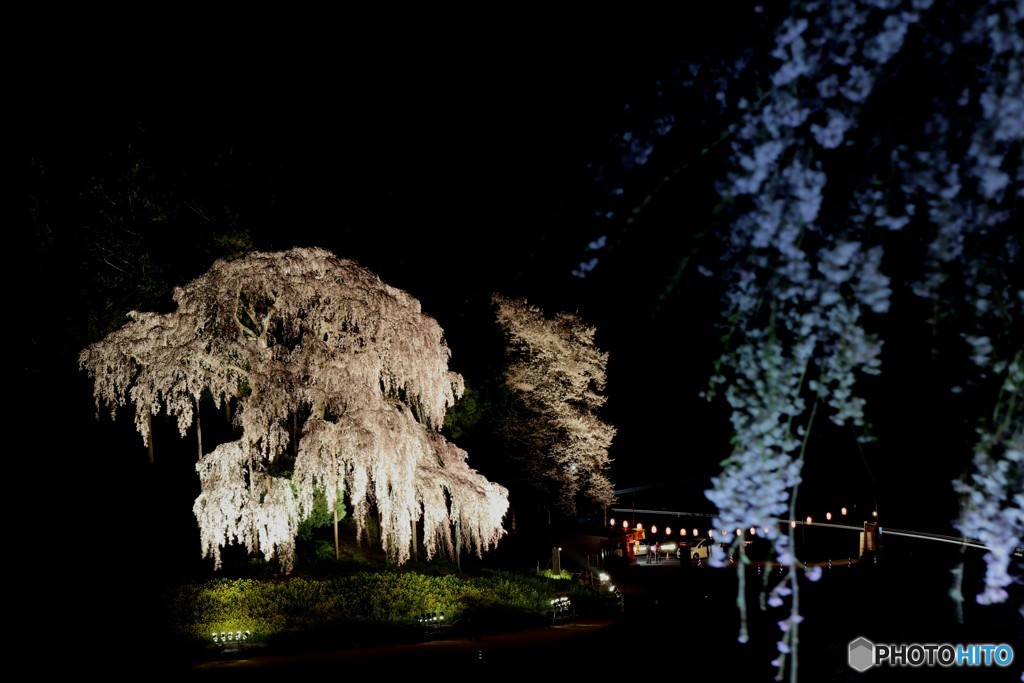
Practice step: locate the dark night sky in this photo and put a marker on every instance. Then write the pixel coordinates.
(452, 171)
(457, 166)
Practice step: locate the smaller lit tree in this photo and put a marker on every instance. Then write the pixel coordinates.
(557, 377)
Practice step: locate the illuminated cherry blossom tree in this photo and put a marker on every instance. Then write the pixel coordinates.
(807, 288)
(557, 377)
(838, 155)
(303, 335)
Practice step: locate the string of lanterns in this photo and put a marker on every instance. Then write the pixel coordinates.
(695, 532)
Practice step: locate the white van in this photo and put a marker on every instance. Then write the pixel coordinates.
(701, 549)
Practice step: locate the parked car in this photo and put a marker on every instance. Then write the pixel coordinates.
(699, 550)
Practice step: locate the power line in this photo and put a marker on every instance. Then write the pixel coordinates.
(882, 531)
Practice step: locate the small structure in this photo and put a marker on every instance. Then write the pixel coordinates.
(622, 545)
(562, 609)
(433, 623)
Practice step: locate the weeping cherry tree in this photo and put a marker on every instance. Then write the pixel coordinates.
(303, 336)
(874, 148)
(807, 290)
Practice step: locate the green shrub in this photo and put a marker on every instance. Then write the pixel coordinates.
(283, 609)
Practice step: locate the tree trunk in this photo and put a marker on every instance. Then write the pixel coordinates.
(458, 546)
(337, 547)
(149, 446)
(199, 431)
(415, 545)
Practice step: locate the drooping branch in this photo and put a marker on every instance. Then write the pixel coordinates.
(303, 333)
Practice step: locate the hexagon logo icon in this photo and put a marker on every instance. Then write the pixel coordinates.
(861, 654)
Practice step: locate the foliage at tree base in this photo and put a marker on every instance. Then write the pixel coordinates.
(286, 614)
